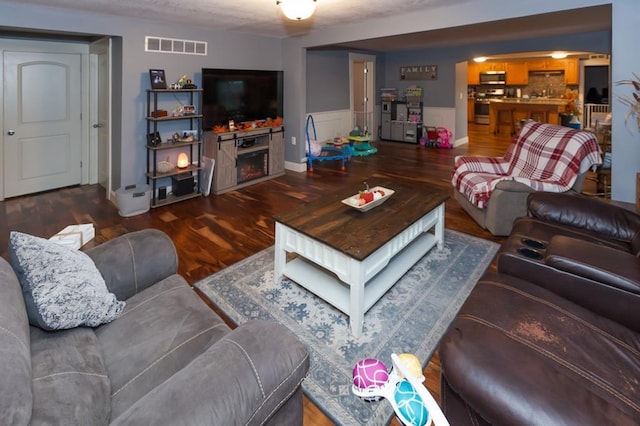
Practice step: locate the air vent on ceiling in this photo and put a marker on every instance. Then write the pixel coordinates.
(173, 45)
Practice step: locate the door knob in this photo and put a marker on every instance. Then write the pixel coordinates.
(11, 132)
(97, 126)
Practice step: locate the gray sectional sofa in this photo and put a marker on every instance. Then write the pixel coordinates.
(167, 359)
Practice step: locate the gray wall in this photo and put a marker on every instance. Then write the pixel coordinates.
(132, 64)
(328, 71)
(290, 55)
(442, 92)
(327, 81)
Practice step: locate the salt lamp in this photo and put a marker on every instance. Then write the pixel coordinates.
(183, 160)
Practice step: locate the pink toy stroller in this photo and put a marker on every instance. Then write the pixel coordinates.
(444, 138)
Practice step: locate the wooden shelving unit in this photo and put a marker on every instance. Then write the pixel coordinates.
(194, 151)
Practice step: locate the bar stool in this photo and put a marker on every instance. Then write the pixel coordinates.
(602, 175)
(539, 116)
(505, 118)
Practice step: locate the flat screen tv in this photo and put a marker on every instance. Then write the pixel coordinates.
(240, 95)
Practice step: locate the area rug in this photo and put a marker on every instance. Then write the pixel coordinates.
(410, 318)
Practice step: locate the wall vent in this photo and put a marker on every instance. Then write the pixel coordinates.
(174, 45)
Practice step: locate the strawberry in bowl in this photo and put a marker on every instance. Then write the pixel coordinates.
(369, 198)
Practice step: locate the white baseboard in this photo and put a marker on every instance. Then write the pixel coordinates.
(113, 198)
(461, 141)
(296, 167)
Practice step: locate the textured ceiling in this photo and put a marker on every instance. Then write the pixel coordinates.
(263, 17)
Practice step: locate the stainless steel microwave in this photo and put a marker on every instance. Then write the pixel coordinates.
(493, 77)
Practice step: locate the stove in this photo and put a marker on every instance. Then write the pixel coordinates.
(483, 99)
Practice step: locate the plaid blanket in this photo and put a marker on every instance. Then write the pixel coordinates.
(545, 157)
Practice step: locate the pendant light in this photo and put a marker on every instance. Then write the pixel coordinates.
(297, 10)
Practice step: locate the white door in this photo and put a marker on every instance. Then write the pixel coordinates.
(42, 126)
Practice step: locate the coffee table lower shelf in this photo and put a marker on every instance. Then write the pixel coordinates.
(350, 285)
(328, 287)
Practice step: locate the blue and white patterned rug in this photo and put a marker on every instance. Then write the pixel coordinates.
(410, 318)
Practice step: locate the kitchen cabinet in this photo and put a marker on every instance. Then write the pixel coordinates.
(571, 71)
(570, 67)
(473, 73)
(471, 107)
(491, 66)
(538, 65)
(474, 69)
(546, 65)
(517, 73)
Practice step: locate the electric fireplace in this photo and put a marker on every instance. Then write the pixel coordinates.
(253, 165)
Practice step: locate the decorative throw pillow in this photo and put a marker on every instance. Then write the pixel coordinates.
(62, 287)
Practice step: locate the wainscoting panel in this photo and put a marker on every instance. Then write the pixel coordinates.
(445, 117)
(330, 124)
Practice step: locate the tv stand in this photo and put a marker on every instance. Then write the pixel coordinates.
(245, 157)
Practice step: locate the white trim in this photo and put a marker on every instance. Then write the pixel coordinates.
(461, 141)
(295, 167)
(102, 46)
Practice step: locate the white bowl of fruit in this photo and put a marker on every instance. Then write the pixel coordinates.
(369, 198)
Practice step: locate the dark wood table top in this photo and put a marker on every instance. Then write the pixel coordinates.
(358, 234)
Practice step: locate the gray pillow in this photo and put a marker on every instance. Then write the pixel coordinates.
(62, 287)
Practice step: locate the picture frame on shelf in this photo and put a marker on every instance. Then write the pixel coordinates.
(154, 139)
(158, 79)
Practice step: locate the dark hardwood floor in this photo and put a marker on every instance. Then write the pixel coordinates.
(213, 232)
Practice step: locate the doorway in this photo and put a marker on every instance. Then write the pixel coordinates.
(595, 83)
(362, 84)
(44, 142)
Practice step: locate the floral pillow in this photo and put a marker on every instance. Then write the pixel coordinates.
(62, 287)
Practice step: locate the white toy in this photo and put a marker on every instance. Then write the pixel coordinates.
(402, 387)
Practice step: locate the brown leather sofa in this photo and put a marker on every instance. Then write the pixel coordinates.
(552, 337)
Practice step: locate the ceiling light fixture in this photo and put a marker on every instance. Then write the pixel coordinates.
(297, 10)
(558, 55)
(480, 59)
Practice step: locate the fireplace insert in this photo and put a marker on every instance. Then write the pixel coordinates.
(253, 165)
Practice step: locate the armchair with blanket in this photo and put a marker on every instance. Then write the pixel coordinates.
(542, 157)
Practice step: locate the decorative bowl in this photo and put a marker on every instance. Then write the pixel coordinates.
(353, 200)
(164, 166)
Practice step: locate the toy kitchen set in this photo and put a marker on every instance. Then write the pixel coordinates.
(401, 120)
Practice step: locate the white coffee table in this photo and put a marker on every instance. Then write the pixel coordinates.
(324, 235)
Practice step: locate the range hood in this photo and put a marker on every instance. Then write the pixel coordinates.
(547, 73)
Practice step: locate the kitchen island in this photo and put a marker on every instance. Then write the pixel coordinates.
(523, 109)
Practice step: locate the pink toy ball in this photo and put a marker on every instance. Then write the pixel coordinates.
(370, 372)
